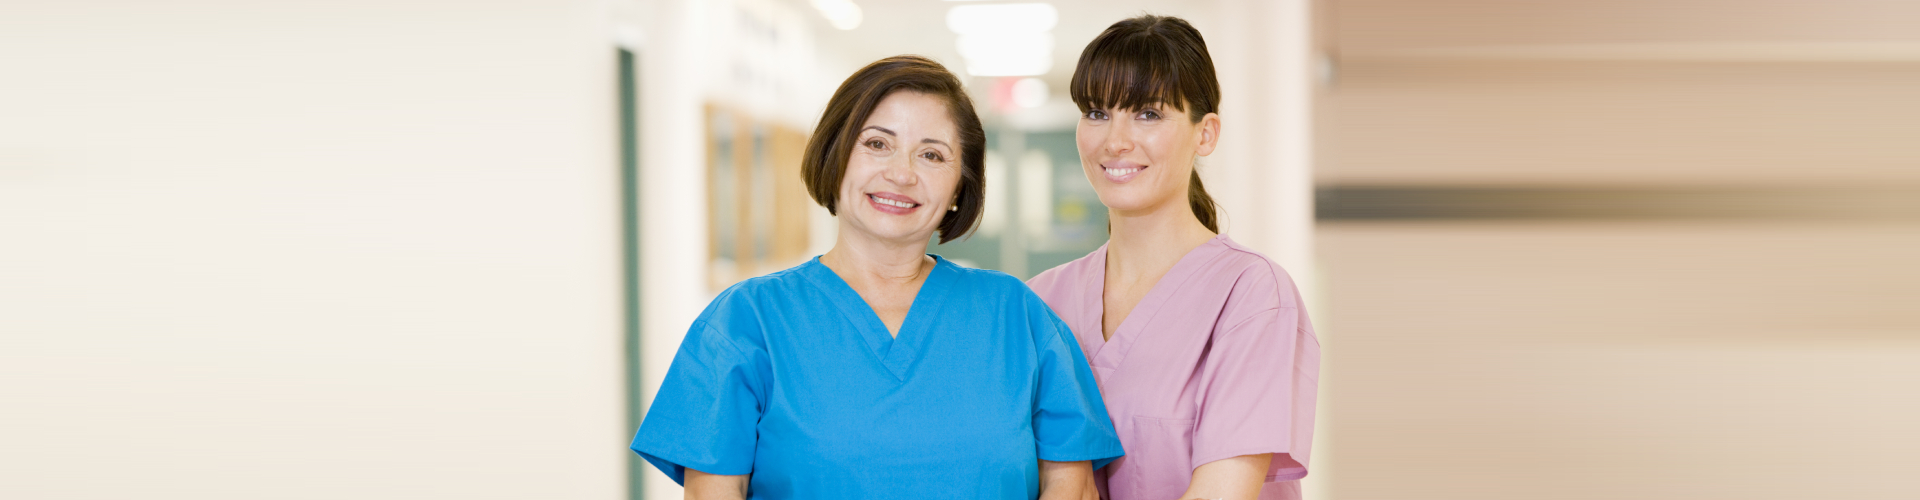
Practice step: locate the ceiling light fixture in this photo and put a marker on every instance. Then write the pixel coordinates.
(842, 14)
(1009, 39)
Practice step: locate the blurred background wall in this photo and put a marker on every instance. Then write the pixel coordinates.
(1625, 249)
(438, 249)
(341, 249)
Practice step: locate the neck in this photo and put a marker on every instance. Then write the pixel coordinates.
(1153, 239)
(866, 259)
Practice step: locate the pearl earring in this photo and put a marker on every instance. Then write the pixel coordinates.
(953, 208)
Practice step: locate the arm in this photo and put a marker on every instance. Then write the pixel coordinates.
(1065, 480)
(1260, 381)
(1236, 478)
(704, 486)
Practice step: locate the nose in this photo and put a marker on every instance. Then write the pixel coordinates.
(900, 171)
(1119, 137)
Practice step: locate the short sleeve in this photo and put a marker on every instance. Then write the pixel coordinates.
(1070, 422)
(1260, 379)
(706, 411)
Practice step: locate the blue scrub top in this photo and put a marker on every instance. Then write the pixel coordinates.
(792, 378)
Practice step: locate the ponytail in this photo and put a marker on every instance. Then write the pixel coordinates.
(1202, 203)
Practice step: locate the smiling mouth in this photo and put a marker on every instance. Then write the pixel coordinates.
(1119, 174)
(891, 202)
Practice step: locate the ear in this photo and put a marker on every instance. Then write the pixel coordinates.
(1209, 134)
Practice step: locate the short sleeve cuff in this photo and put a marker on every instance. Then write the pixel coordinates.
(1100, 457)
(675, 467)
(1277, 470)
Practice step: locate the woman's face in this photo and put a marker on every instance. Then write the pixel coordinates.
(1141, 159)
(903, 172)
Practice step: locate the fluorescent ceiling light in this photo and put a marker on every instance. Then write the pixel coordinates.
(1001, 18)
(1016, 54)
(842, 14)
(1007, 39)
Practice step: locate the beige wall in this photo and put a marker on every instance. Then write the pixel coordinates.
(308, 250)
(1678, 358)
(1704, 120)
(1674, 360)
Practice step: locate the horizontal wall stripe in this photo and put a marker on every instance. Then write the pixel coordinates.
(1402, 202)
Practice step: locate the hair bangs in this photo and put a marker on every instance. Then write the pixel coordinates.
(1127, 72)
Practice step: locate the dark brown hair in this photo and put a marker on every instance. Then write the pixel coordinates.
(1151, 60)
(825, 163)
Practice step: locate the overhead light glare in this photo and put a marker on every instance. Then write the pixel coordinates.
(1001, 18)
(842, 14)
(1019, 54)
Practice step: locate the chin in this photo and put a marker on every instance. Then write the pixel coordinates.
(1115, 198)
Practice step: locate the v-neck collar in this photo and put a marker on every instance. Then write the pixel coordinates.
(896, 352)
(1111, 351)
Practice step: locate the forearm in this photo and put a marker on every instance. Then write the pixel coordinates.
(704, 486)
(1065, 480)
(1237, 478)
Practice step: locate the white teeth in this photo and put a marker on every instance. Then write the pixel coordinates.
(888, 202)
(1121, 172)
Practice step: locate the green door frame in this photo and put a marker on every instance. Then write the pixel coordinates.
(630, 256)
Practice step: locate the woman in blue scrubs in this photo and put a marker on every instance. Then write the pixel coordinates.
(877, 370)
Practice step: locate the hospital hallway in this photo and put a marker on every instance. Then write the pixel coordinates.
(1661, 250)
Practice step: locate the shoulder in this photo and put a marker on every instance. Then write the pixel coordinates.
(737, 311)
(1257, 281)
(1066, 277)
(777, 281)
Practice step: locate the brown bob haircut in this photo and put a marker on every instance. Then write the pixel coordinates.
(1152, 60)
(825, 163)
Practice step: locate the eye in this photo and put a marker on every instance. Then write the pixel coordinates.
(1096, 114)
(1148, 114)
(934, 156)
(875, 143)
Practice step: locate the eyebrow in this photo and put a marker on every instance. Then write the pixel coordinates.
(890, 132)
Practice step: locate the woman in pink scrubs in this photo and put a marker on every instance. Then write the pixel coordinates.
(1201, 347)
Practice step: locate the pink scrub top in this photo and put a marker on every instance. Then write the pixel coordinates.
(1217, 361)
